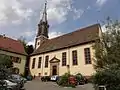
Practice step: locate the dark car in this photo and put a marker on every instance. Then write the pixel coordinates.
(45, 78)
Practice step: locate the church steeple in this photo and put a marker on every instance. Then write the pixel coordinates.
(43, 27)
(44, 17)
(43, 24)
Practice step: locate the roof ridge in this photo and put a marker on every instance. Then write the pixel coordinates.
(9, 38)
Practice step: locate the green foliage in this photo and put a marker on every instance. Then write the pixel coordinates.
(5, 65)
(110, 77)
(79, 77)
(107, 49)
(63, 81)
(5, 61)
(107, 57)
(28, 48)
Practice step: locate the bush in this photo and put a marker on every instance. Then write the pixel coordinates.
(64, 81)
(110, 77)
(80, 79)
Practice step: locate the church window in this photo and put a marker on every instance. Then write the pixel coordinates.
(74, 57)
(46, 61)
(39, 62)
(87, 56)
(33, 63)
(64, 59)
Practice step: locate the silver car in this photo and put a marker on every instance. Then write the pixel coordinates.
(11, 85)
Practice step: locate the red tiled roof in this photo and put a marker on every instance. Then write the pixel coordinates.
(11, 45)
(78, 37)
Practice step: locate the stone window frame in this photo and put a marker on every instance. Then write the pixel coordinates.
(64, 59)
(39, 62)
(87, 55)
(46, 61)
(33, 63)
(74, 57)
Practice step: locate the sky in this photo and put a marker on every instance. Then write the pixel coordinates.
(19, 18)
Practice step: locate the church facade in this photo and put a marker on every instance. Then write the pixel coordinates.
(72, 52)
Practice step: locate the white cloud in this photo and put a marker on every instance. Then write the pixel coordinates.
(58, 10)
(78, 13)
(55, 34)
(13, 12)
(56, 15)
(101, 2)
(20, 11)
(31, 43)
(28, 33)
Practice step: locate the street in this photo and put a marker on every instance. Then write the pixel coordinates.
(38, 85)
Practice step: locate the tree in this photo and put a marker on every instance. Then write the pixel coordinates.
(23, 41)
(107, 49)
(107, 57)
(5, 61)
(28, 49)
(5, 66)
(110, 77)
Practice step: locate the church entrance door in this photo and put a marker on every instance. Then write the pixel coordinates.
(54, 66)
(54, 70)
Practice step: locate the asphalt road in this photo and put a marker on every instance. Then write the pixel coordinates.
(38, 85)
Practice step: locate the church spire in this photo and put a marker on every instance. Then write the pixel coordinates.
(44, 17)
(43, 24)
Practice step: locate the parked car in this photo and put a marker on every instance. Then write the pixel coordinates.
(11, 85)
(54, 78)
(23, 79)
(80, 79)
(3, 85)
(8, 85)
(29, 77)
(17, 79)
(45, 78)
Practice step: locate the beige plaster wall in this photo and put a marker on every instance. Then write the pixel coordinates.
(86, 70)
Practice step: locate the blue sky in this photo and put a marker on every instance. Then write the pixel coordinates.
(20, 17)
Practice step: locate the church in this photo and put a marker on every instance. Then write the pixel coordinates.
(72, 52)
